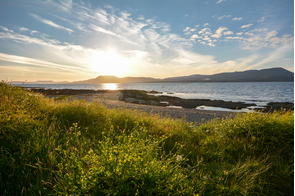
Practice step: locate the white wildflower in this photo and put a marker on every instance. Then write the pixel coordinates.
(178, 158)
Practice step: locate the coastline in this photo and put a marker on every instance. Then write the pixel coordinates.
(166, 106)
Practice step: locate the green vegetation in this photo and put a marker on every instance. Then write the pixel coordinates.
(62, 147)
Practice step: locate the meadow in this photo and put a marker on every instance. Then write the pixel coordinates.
(62, 147)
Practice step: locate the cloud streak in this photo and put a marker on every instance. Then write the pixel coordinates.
(50, 23)
(246, 26)
(37, 62)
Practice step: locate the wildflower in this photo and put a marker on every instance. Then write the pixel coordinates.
(207, 131)
(179, 158)
(209, 178)
(225, 172)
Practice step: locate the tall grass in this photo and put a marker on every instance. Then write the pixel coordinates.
(81, 148)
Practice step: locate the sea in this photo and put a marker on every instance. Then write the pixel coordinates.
(259, 93)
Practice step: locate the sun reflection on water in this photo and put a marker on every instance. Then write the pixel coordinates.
(110, 86)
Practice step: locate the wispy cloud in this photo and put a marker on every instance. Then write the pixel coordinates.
(220, 1)
(23, 29)
(222, 17)
(102, 30)
(37, 62)
(278, 54)
(261, 20)
(239, 19)
(5, 29)
(246, 26)
(49, 22)
(141, 17)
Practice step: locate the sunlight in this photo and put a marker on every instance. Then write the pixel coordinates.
(110, 63)
(110, 86)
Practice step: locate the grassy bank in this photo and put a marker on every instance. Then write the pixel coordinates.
(76, 147)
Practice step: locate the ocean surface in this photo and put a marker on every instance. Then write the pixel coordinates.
(259, 93)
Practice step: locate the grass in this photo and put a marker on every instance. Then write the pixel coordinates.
(61, 147)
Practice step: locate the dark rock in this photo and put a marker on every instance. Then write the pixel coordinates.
(193, 103)
(277, 106)
(154, 92)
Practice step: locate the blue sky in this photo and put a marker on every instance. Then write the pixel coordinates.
(75, 40)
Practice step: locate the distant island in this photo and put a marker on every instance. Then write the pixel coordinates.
(264, 75)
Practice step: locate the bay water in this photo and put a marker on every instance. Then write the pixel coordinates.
(259, 93)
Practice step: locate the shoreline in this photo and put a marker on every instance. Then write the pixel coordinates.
(149, 98)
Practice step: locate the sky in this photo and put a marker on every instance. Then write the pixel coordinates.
(70, 40)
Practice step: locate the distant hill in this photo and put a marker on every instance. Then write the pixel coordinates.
(264, 75)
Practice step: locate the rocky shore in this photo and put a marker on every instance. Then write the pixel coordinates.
(149, 98)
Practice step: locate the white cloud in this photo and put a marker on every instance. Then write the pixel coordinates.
(241, 33)
(239, 19)
(268, 40)
(220, 1)
(205, 31)
(248, 33)
(235, 38)
(186, 29)
(23, 29)
(5, 29)
(193, 37)
(218, 32)
(224, 16)
(261, 20)
(101, 16)
(246, 26)
(271, 34)
(48, 22)
(259, 30)
(141, 17)
(102, 30)
(228, 33)
(206, 24)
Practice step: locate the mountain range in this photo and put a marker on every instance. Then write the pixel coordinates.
(264, 75)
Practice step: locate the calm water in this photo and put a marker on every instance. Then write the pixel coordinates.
(251, 92)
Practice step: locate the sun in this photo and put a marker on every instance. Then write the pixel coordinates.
(110, 63)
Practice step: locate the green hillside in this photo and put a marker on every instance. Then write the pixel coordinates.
(61, 147)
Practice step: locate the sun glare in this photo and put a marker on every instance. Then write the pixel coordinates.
(110, 86)
(110, 63)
